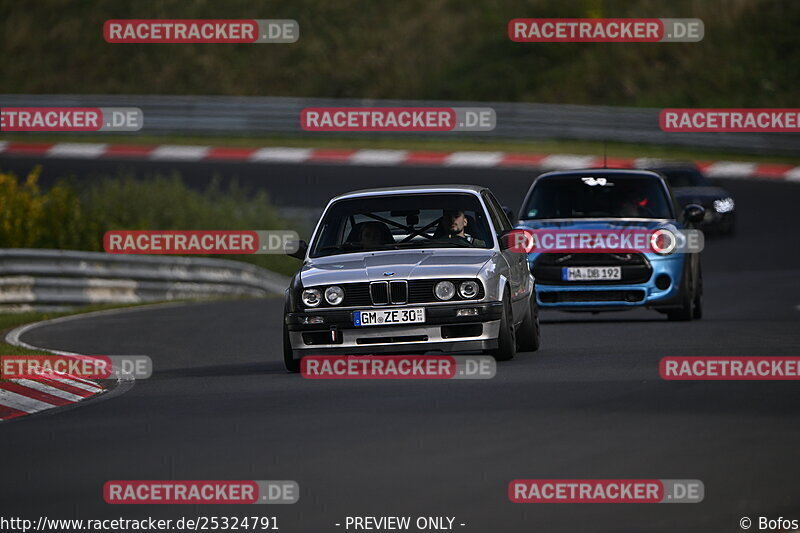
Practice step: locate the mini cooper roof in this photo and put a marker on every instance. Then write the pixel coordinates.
(601, 172)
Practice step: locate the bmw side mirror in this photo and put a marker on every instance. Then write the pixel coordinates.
(505, 238)
(509, 213)
(300, 252)
(694, 213)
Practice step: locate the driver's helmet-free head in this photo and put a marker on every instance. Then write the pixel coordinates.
(453, 221)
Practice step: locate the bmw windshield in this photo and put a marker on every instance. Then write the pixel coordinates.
(606, 196)
(393, 222)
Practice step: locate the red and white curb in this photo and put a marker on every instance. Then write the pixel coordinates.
(22, 397)
(466, 159)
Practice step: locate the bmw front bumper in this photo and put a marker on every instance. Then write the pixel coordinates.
(442, 331)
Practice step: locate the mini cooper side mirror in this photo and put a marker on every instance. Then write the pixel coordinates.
(300, 252)
(693, 213)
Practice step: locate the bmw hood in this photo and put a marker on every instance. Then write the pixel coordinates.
(400, 264)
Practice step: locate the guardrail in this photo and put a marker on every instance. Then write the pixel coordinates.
(248, 116)
(61, 279)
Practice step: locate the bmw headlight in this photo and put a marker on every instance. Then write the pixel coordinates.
(311, 297)
(724, 205)
(444, 290)
(334, 295)
(468, 289)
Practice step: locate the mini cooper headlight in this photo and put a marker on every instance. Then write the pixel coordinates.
(334, 295)
(663, 241)
(444, 290)
(468, 289)
(311, 297)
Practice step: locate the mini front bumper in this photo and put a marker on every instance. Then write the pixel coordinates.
(611, 297)
(442, 331)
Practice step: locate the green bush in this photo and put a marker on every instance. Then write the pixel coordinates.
(68, 216)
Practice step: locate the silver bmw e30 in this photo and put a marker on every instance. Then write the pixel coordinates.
(410, 270)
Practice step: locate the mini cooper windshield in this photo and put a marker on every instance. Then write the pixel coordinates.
(403, 222)
(608, 196)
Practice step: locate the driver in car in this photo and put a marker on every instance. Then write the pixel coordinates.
(454, 224)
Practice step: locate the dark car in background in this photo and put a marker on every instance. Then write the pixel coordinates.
(691, 186)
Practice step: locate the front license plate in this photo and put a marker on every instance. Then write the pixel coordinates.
(383, 317)
(591, 273)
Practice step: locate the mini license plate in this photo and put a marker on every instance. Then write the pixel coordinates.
(384, 317)
(591, 273)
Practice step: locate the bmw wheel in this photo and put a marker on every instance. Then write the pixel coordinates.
(528, 334)
(506, 338)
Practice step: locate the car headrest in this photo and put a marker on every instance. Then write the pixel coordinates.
(356, 233)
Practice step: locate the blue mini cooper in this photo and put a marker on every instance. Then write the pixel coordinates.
(606, 200)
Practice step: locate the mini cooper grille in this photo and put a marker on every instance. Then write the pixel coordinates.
(635, 268)
(553, 297)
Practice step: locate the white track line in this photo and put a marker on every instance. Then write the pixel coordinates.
(474, 159)
(793, 175)
(79, 385)
(567, 161)
(285, 155)
(378, 157)
(77, 150)
(177, 152)
(730, 169)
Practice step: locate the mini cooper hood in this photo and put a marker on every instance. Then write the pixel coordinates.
(607, 224)
(388, 265)
(599, 224)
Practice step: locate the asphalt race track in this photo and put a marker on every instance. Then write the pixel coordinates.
(589, 404)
